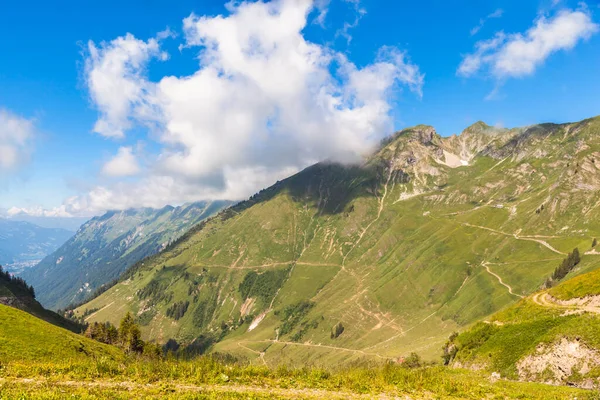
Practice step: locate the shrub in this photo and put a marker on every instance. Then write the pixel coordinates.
(337, 330)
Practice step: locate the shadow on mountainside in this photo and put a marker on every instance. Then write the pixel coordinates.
(327, 187)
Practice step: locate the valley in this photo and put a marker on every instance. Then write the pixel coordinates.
(402, 251)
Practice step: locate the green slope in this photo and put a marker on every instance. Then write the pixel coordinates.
(25, 338)
(552, 336)
(106, 246)
(15, 292)
(430, 235)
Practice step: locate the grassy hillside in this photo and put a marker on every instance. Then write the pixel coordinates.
(43, 361)
(92, 373)
(15, 292)
(428, 236)
(106, 246)
(552, 336)
(25, 338)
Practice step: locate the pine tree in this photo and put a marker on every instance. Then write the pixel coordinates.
(576, 257)
(130, 336)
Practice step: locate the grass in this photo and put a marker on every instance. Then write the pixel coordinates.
(580, 286)
(516, 332)
(400, 273)
(209, 378)
(26, 338)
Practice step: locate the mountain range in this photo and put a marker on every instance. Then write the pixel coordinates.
(107, 245)
(339, 263)
(24, 244)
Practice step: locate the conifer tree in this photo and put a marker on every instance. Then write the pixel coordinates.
(130, 336)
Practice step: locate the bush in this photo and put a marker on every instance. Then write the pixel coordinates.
(337, 330)
(412, 361)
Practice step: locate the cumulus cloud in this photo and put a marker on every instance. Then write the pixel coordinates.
(114, 74)
(264, 102)
(16, 137)
(517, 55)
(496, 14)
(124, 163)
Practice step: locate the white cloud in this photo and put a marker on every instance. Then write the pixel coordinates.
(516, 55)
(16, 136)
(359, 12)
(39, 212)
(124, 163)
(263, 103)
(114, 75)
(496, 14)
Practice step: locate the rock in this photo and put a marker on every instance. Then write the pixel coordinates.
(495, 377)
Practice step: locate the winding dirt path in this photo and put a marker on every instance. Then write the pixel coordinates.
(510, 290)
(545, 300)
(532, 238)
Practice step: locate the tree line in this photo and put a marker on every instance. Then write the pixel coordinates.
(128, 336)
(17, 281)
(566, 266)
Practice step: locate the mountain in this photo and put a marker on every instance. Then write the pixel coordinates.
(23, 244)
(107, 245)
(341, 263)
(71, 224)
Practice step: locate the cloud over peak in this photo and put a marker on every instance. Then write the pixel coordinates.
(263, 102)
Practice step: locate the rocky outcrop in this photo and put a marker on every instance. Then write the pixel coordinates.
(559, 363)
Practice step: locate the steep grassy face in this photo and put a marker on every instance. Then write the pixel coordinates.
(428, 236)
(543, 338)
(25, 338)
(106, 246)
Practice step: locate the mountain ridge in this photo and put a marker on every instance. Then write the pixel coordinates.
(107, 245)
(396, 249)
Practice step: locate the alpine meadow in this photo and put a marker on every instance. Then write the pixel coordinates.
(300, 199)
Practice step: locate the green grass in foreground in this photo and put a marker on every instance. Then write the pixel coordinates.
(579, 286)
(516, 332)
(208, 378)
(24, 337)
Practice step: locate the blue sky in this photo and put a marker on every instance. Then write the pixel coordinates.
(158, 147)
